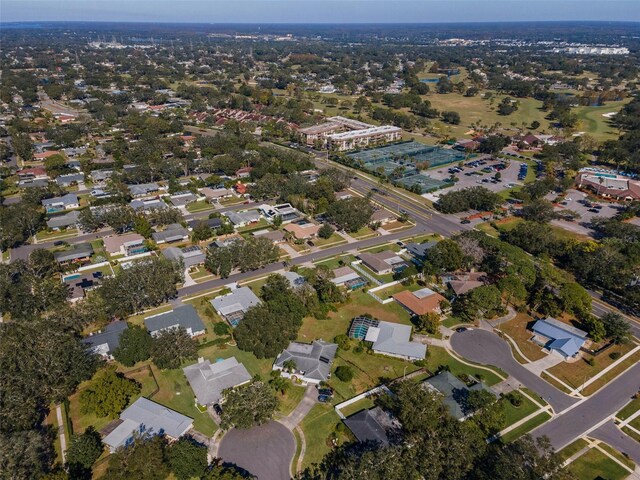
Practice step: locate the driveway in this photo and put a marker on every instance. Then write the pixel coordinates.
(306, 404)
(487, 348)
(545, 363)
(265, 451)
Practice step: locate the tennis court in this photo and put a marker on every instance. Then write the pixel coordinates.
(427, 184)
(407, 152)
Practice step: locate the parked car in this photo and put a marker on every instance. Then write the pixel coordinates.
(324, 398)
(465, 221)
(461, 329)
(217, 408)
(326, 391)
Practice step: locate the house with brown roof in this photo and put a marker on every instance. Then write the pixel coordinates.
(610, 185)
(383, 262)
(129, 244)
(462, 283)
(276, 236)
(303, 229)
(419, 302)
(382, 216)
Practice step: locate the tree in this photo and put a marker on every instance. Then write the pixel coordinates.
(143, 459)
(617, 329)
(487, 413)
(575, 299)
(429, 322)
(187, 458)
(134, 347)
(483, 302)
(26, 454)
(248, 405)
(477, 198)
(350, 214)
(595, 328)
(445, 256)
(538, 211)
(170, 348)
(201, 232)
(344, 373)
(325, 231)
(451, 117)
(108, 394)
(219, 471)
(83, 451)
(535, 125)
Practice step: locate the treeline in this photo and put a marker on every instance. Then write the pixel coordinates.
(476, 198)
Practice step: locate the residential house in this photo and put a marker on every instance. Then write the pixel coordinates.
(227, 241)
(454, 392)
(78, 253)
(392, 339)
(184, 316)
(104, 342)
(191, 256)
(79, 284)
(33, 183)
(34, 173)
(147, 417)
(182, 198)
(346, 276)
(558, 337)
(69, 219)
(100, 177)
(295, 280)
(240, 188)
(285, 211)
(310, 362)
(143, 189)
(303, 229)
(462, 283)
(58, 204)
(213, 223)
(242, 219)
(46, 154)
(344, 195)
(172, 233)
(128, 244)
(374, 425)
(148, 205)
(244, 172)
(216, 194)
(210, 380)
(420, 302)
(419, 251)
(233, 306)
(276, 236)
(382, 216)
(383, 262)
(69, 179)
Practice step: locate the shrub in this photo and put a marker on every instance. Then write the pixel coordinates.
(344, 373)
(615, 355)
(220, 328)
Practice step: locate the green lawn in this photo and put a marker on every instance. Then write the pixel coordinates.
(319, 424)
(47, 236)
(439, 356)
(262, 224)
(199, 206)
(364, 232)
(290, 399)
(573, 448)
(526, 427)
(336, 261)
(514, 414)
(591, 121)
(631, 408)
(595, 465)
(363, 404)
(333, 240)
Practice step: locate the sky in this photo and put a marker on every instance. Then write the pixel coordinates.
(319, 11)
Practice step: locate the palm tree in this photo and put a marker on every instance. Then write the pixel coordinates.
(289, 366)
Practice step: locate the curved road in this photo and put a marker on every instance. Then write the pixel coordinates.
(484, 347)
(265, 451)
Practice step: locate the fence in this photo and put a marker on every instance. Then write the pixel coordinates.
(382, 287)
(357, 398)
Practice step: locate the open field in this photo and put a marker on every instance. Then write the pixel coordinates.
(517, 330)
(319, 424)
(591, 121)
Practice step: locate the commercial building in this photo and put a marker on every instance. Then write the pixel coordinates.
(344, 141)
(610, 185)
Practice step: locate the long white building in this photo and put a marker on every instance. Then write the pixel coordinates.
(341, 134)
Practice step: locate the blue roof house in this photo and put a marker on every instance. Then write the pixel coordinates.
(559, 337)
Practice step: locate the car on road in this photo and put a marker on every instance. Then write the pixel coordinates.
(461, 329)
(593, 210)
(217, 408)
(59, 243)
(324, 398)
(465, 221)
(403, 212)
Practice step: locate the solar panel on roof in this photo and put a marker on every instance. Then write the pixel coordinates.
(324, 359)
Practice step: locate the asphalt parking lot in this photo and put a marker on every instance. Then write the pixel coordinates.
(264, 452)
(509, 176)
(572, 201)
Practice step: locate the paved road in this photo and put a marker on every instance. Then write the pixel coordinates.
(600, 307)
(274, 267)
(265, 451)
(565, 428)
(610, 434)
(485, 347)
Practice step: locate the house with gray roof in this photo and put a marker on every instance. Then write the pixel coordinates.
(209, 380)
(312, 361)
(69, 219)
(33, 182)
(346, 276)
(276, 236)
(100, 177)
(173, 233)
(191, 256)
(233, 306)
(106, 341)
(143, 189)
(184, 316)
(148, 205)
(242, 219)
(209, 222)
(69, 179)
(295, 279)
(58, 204)
(394, 340)
(383, 262)
(151, 418)
(419, 250)
(77, 253)
(374, 425)
(454, 392)
(181, 199)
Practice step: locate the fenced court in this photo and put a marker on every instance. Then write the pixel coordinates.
(426, 183)
(408, 152)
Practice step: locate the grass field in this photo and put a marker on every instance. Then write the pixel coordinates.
(596, 465)
(526, 427)
(591, 121)
(514, 414)
(438, 356)
(632, 407)
(363, 404)
(199, 206)
(517, 330)
(573, 448)
(319, 424)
